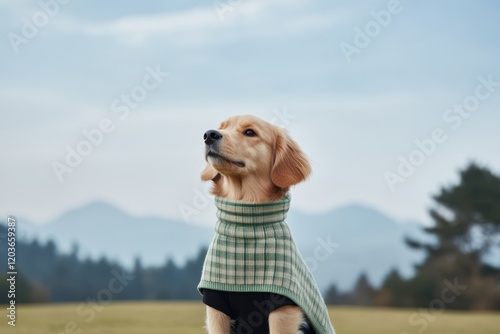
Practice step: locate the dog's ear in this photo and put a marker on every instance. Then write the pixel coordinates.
(290, 164)
(209, 173)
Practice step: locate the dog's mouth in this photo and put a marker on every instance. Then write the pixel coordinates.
(221, 157)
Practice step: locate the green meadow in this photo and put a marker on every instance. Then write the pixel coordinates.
(188, 317)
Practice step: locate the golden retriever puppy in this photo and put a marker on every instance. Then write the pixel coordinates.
(253, 279)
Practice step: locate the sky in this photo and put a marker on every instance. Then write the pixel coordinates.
(389, 99)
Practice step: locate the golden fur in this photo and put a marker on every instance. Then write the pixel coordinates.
(254, 169)
(273, 161)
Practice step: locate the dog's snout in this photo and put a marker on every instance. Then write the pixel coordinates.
(211, 136)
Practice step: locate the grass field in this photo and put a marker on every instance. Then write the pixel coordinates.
(184, 317)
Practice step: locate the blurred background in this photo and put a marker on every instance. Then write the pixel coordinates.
(104, 105)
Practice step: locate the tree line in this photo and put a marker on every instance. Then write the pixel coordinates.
(46, 275)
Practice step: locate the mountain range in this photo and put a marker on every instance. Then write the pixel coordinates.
(337, 245)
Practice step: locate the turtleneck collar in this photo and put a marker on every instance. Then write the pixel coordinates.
(237, 212)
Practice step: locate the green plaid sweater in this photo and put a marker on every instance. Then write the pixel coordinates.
(253, 251)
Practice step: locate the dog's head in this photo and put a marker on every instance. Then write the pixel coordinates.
(252, 160)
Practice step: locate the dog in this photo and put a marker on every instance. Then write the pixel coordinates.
(252, 165)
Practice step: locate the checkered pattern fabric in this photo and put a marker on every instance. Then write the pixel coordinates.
(253, 251)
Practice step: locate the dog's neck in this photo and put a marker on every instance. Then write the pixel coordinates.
(247, 189)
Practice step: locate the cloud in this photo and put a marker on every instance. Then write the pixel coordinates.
(202, 25)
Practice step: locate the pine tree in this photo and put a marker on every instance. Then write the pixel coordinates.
(466, 228)
(363, 293)
(393, 292)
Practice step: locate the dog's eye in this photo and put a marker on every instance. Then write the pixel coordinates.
(249, 133)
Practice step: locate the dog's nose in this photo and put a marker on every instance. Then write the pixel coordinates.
(211, 135)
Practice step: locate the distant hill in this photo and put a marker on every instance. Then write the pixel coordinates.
(102, 229)
(365, 240)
